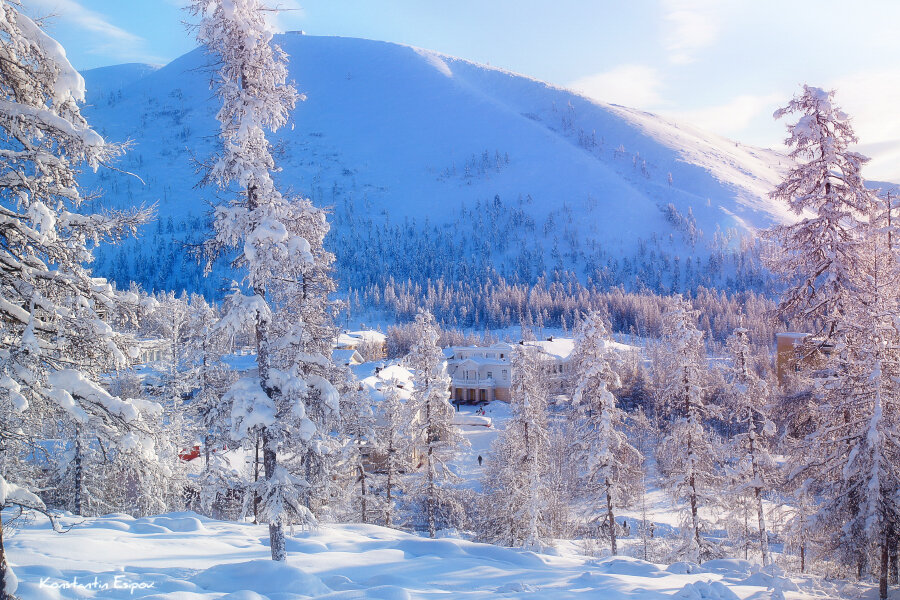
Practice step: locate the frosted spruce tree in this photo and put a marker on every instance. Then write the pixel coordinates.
(850, 460)
(818, 254)
(609, 462)
(687, 456)
(515, 479)
(55, 340)
(843, 274)
(358, 427)
(279, 248)
(434, 436)
(392, 442)
(753, 471)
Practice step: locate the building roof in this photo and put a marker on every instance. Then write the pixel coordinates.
(346, 356)
(369, 335)
(559, 348)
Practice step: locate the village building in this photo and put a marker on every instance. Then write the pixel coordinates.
(478, 373)
(793, 354)
(371, 345)
(484, 373)
(346, 357)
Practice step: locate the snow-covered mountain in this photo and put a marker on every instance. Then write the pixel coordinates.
(438, 167)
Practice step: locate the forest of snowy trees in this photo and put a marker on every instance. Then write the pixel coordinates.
(803, 473)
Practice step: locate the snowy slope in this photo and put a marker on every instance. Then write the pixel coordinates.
(183, 556)
(395, 138)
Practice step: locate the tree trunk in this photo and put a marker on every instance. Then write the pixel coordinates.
(695, 517)
(390, 482)
(763, 533)
(429, 502)
(802, 558)
(77, 499)
(276, 529)
(255, 479)
(746, 531)
(883, 572)
(3, 567)
(362, 491)
(757, 492)
(270, 458)
(692, 482)
(612, 520)
(892, 554)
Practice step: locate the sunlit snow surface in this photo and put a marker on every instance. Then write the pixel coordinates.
(183, 556)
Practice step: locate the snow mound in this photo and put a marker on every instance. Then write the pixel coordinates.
(387, 592)
(148, 528)
(684, 568)
(772, 577)
(243, 595)
(170, 523)
(630, 566)
(520, 558)
(113, 523)
(302, 546)
(516, 588)
(264, 576)
(706, 590)
(473, 420)
(728, 566)
(430, 547)
(178, 524)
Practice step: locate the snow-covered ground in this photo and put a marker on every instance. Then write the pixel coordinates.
(183, 556)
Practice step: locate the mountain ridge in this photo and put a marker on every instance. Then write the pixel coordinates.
(400, 140)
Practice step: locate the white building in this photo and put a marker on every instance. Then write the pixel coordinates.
(483, 373)
(479, 374)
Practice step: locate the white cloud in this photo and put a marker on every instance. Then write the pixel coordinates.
(98, 35)
(75, 13)
(690, 25)
(635, 86)
(871, 99)
(735, 116)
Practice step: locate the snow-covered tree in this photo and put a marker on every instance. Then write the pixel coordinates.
(851, 458)
(358, 426)
(18, 498)
(800, 531)
(846, 274)
(610, 463)
(818, 254)
(687, 456)
(286, 269)
(514, 483)
(392, 442)
(434, 435)
(56, 338)
(753, 472)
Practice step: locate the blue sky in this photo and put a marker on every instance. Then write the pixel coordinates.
(723, 65)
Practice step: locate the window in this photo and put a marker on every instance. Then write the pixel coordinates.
(503, 373)
(490, 375)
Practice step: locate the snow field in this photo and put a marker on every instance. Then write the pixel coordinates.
(184, 556)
